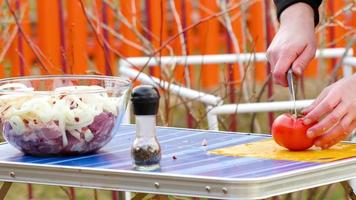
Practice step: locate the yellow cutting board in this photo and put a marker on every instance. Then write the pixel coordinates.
(268, 149)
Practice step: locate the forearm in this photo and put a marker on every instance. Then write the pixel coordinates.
(284, 4)
(297, 15)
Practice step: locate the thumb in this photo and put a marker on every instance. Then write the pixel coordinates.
(302, 61)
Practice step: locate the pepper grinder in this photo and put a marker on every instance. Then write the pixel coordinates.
(146, 150)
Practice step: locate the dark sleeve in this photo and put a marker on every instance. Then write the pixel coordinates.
(283, 4)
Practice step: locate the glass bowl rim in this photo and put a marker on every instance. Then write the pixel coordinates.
(124, 83)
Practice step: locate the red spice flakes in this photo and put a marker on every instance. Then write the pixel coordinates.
(174, 157)
(25, 121)
(76, 119)
(73, 105)
(35, 121)
(62, 96)
(54, 102)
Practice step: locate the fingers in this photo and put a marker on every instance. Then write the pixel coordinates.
(334, 135)
(346, 121)
(302, 61)
(329, 121)
(316, 102)
(326, 105)
(281, 59)
(282, 65)
(271, 57)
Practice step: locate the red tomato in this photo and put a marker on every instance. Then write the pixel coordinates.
(290, 132)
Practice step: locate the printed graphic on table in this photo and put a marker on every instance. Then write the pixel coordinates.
(268, 149)
(190, 152)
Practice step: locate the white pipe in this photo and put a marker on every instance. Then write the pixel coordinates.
(259, 107)
(175, 89)
(196, 59)
(223, 58)
(212, 119)
(347, 70)
(349, 61)
(220, 58)
(333, 52)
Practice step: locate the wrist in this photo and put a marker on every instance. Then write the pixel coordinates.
(298, 13)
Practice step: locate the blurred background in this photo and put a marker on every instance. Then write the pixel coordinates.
(92, 36)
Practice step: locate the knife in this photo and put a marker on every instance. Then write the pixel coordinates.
(292, 86)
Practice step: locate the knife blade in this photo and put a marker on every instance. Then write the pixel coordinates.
(292, 89)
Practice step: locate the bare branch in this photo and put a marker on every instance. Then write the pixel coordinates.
(38, 53)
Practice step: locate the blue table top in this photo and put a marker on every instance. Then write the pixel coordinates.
(191, 157)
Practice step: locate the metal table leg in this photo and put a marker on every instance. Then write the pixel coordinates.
(4, 189)
(348, 190)
(123, 195)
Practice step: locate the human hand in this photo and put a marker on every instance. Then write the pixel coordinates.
(334, 110)
(294, 44)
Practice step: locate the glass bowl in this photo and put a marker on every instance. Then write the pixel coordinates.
(62, 115)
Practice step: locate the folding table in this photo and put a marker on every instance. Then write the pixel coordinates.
(187, 168)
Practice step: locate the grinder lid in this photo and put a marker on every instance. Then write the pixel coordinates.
(145, 100)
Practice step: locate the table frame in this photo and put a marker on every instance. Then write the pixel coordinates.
(170, 184)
